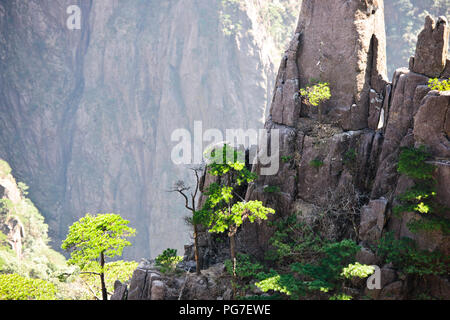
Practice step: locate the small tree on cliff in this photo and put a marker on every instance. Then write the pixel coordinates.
(316, 94)
(92, 238)
(220, 212)
(195, 219)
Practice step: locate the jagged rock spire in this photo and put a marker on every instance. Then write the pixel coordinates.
(432, 47)
(340, 42)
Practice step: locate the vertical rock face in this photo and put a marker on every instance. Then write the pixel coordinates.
(355, 171)
(342, 43)
(432, 48)
(86, 115)
(355, 150)
(339, 42)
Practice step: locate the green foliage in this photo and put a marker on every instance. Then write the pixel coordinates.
(93, 235)
(229, 16)
(168, 260)
(280, 19)
(16, 287)
(228, 160)
(220, 212)
(316, 163)
(305, 262)
(412, 162)
(435, 84)
(3, 240)
(292, 239)
(321, 276)
(92, 238)
(272, 189)
(5, 205)
(430, 224)
(117, 270)
(419, 198)
(405, 256)
(317, 93)
(286, 159)
(357, 270)
(37, 259)
(224, 219)
(278, 283)
(341, 296)
(5, 169)
(271, 297)
(23, 188)
(245, 268)
(350, 156)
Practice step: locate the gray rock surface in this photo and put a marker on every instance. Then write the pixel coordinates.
(432, 48)
(368, 131)
(372, 220)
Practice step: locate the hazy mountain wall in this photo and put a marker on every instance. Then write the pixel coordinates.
(86, 115)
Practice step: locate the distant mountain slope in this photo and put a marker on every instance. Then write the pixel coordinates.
(86, 115)
(24, 245)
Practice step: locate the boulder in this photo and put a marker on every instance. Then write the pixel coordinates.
(393, 291)
(365, 256)
(138, 283)
(120, 291)
(375, 108)
(158, 290)
(446, 73)
(372, 220)
(432, 123)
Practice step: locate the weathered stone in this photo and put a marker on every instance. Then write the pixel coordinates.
(438, 287)
(432, 48)
(138, 284)
(120, 291)
(285, 108)
(324, 44)
(446, 73)
(388, 275)
(442, 176)
(365, 256)
(372, 220)
(393, 291)
(158, 290)
(432, 123)
(408, 90)
(375, 109)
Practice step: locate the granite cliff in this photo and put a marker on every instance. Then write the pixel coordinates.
(355, 190)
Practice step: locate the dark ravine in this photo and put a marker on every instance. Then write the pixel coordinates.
(368, 114)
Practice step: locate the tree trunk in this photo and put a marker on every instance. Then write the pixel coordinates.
(233, 252)
(233, 259)
(320, 113)
(197, 257)
(102, 277)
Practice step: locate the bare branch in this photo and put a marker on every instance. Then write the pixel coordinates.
(197, 182)
(88, 272)
(181, 188)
